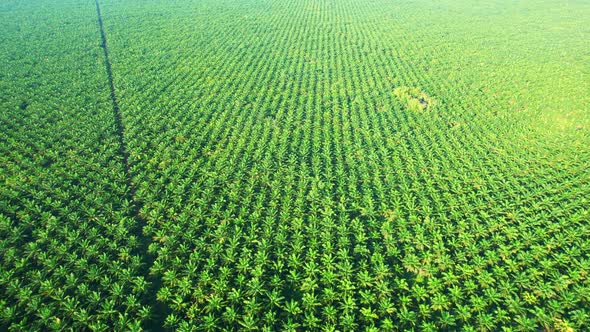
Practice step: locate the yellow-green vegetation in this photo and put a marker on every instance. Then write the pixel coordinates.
(294, 165)
(414, 99)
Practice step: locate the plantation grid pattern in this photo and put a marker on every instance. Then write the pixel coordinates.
(294, 165)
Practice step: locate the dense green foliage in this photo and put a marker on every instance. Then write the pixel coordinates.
(300, 165)
(67, 254)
